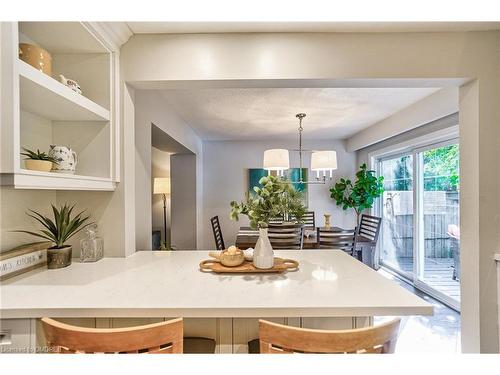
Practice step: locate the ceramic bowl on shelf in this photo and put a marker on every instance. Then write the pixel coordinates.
(37, 57)
(38, 165)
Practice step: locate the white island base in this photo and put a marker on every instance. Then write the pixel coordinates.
(331, 290)
(230, 334)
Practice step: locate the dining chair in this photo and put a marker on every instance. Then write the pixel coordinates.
(280, 339)
(164, 337)
(340, 239)
(367, 234)
(369, 227)
(309, 220)
(219, 240)
(277, 220)
(286, 236)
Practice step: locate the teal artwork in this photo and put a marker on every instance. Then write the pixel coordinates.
(292, 174)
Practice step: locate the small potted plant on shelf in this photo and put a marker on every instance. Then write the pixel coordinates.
(360, 195)
(274, 198)
(59, 231)
(38, 161)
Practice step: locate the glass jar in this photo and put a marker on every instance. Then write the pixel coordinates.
(92, 246)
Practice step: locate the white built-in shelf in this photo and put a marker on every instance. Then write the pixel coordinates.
(44, 96)
(62, 37)
(26, 179)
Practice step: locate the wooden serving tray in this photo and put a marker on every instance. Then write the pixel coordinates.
(280, 265)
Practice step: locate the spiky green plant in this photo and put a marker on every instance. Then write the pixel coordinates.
(62, 228)
(30, 154)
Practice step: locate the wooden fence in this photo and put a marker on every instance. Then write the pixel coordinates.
(437, 242)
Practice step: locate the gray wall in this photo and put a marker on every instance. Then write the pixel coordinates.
(183, 201)
(225, 179)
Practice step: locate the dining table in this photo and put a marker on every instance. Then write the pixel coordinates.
(247, 237)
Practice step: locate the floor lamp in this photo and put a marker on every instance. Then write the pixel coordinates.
(162, 186)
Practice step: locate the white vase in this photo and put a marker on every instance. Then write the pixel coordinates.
(263, 255)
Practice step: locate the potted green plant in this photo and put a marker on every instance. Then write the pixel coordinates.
(59, 231)
(38, 161)
(274, 198)
(360, 195)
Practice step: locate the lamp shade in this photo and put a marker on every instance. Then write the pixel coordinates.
(276, 159)
(161, 185)
(323, 160)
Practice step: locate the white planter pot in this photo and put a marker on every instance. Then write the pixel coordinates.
(263, 255)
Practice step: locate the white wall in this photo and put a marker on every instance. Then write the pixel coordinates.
(225, 179)
(151, 108)
(431, 126)
(160, 167)
(440, 104)
(14, 205)
(470, 59)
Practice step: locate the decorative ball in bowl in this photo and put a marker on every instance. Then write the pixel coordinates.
(231, 257)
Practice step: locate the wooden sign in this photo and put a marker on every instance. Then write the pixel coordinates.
(23, 258)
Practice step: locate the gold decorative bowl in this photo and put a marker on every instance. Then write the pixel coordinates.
(37, 57)
(229, 260)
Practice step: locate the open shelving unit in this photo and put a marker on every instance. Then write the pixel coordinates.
(48, 98)
(41, 111)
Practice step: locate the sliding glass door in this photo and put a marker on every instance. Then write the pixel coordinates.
(438, 207)
(420, 234)
(396, 236)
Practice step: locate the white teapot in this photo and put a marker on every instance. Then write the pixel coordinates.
(65, 157)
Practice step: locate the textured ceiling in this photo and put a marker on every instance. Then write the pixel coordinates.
(257, 114)
(325, 27)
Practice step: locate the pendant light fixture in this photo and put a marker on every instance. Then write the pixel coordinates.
(322, 162)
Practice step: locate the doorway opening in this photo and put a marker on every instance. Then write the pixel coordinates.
(173, 211)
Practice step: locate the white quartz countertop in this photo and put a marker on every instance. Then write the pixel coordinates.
(329, 283)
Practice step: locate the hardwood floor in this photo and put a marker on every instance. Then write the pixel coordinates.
(439, 333)
(438, 274)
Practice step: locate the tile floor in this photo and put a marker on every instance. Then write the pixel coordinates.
(439, 333)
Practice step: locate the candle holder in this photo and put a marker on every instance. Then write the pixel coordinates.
(327, 221)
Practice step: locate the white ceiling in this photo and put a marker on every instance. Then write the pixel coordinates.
(262, 27)
(257, 114)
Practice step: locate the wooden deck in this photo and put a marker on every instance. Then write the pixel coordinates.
(438, 274)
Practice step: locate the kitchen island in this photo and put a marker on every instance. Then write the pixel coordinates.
(329, 290)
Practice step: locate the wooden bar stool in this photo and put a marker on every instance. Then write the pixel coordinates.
(164, 337)
(280, 339)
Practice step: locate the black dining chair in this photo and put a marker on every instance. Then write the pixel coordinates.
(286, 236)
(219, 240)
(338, 239)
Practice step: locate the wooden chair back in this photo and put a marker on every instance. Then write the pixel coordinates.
(286, 236)
(369, 227)
(219, 240)
(309, 220)
(164, 337)
(277, 220)
(339, 239)
(280, 339)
